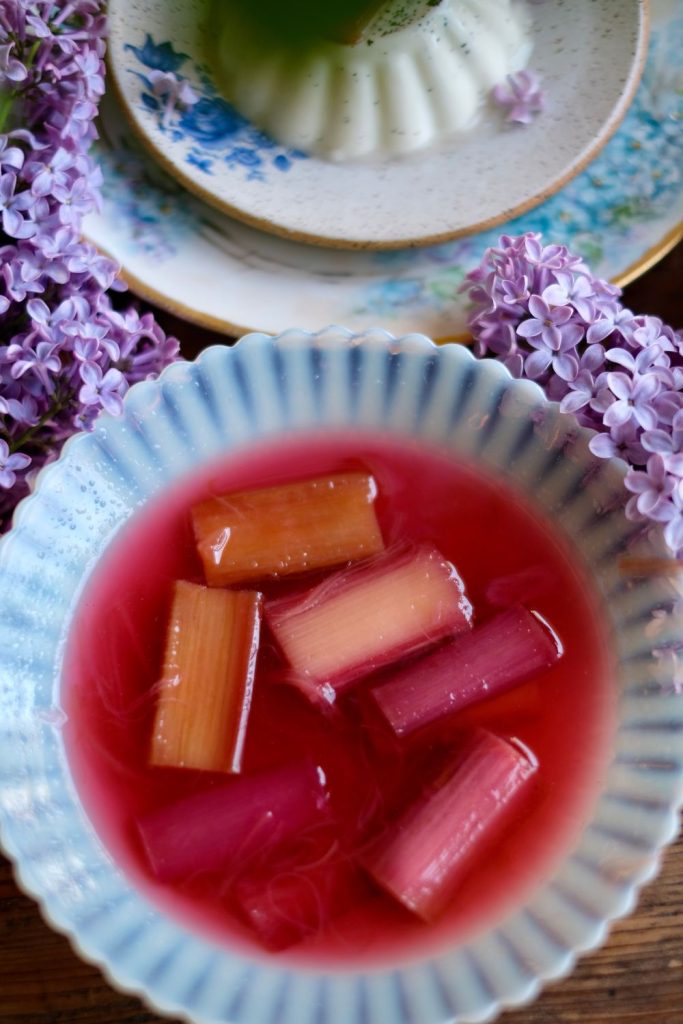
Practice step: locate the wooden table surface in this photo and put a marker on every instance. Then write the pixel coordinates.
(637, 978)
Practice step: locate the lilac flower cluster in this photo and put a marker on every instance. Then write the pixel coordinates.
(539, 310)
(65, 351)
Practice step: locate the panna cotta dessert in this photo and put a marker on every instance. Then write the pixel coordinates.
(367, 80)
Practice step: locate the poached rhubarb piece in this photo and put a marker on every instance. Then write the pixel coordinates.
(422, 858)
(294, 528)
(363, 618)
(207, 680)
(228, 826)
(506, 651)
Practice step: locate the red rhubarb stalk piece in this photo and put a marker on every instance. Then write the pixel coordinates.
(421, 859)
(293, 528)
(363, 618)
(227, 826)
(507, 650)
(207, 679)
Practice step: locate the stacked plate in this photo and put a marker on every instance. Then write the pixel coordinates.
(217, 221)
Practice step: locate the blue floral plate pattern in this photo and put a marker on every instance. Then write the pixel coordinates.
(213, 128)
(620, 213)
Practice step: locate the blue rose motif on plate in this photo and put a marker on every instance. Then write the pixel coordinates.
(212, 128)
(158, 57)
(211, 121)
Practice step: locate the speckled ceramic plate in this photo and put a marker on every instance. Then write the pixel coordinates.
(226, 400)
(621, 214)
(589, 54)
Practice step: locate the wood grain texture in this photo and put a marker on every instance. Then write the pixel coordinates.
(637, 978)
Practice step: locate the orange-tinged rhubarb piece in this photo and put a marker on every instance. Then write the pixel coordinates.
(207, 679)
(293, 528)
(363, 618)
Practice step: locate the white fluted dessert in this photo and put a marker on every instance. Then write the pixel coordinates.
(420, 72)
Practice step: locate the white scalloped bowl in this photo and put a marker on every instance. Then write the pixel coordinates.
(296, 383)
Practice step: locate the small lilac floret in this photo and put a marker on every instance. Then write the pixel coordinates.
(654, 489)
(575, 290)
(174, 91)
(45, 174)
(607, 323)
(520, 95)
(588, 387)
(634, 397)
(14, 206)
(673, 531)
(651, 361)
(549, 323)
(11, 157)
(102, 389)
(554, 334)
(11, 69)
(668, 444)
(648, 331)
(622, 442)
(10, 465)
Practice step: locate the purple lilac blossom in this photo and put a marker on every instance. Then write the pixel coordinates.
(10, 464)
(653, 489)
(520, 95)
(173, 91)
(539, 309)
(65, 352)
(668, 444)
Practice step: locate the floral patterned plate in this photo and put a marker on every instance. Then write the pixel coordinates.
(589, 55)
(621, 214)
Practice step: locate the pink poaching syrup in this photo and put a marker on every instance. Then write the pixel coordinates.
(502, 549)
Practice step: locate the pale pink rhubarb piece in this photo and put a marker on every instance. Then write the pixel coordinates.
(368, 616)
(207, 679)
(227, 827)
(506, 651)
(423, 857)
(293, 528)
